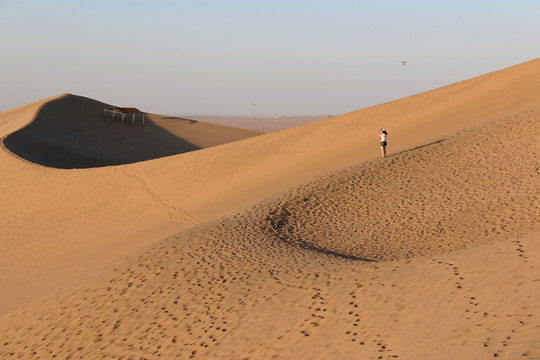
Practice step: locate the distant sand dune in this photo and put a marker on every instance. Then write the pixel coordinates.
(73, 132)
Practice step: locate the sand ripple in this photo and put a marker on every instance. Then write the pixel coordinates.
(452, 194)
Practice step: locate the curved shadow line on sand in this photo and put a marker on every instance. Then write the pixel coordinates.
(71, 132)
(277, 224)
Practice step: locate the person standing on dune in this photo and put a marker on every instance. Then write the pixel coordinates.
(382, 140)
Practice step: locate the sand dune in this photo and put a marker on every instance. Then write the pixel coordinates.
(255, 168)
(73, 132)
(62, 224)
(247, 287)
(212, 290)
(462, 191)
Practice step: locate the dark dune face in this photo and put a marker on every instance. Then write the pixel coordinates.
(74, 132)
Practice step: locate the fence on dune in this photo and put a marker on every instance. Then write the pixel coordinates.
(123, 111)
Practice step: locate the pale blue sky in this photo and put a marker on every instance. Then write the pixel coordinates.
(293, 57)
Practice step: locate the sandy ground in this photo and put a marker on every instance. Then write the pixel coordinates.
(239, 288)
(468, 189)
(58, 225)
(295, 244)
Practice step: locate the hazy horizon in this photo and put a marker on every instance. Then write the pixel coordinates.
(268, 116)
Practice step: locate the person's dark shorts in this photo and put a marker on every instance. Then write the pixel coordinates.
(383, 143)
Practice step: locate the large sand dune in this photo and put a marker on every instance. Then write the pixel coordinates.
(282, 277)
(56, 224)
(465, 190)
(74, 132)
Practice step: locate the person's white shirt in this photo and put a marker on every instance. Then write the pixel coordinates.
(382, 137)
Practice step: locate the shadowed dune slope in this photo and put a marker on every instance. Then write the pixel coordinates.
(73, 132)
(242, 287)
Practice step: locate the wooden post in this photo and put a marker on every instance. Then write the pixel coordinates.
(133, 119)
(143, 118)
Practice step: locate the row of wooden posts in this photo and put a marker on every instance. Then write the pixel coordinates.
(123, 115)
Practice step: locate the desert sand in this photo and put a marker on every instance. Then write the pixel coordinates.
(298, 244)
(75, 132)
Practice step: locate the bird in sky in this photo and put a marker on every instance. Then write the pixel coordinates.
(404, 62)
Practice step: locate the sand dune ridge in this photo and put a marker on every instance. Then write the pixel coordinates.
(475, 186)
(72, 131)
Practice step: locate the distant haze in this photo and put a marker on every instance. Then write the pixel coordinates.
(255, 57)
(258, 123)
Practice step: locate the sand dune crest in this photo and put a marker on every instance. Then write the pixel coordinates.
(73, 132)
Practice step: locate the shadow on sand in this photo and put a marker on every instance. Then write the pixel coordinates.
(73, 132)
